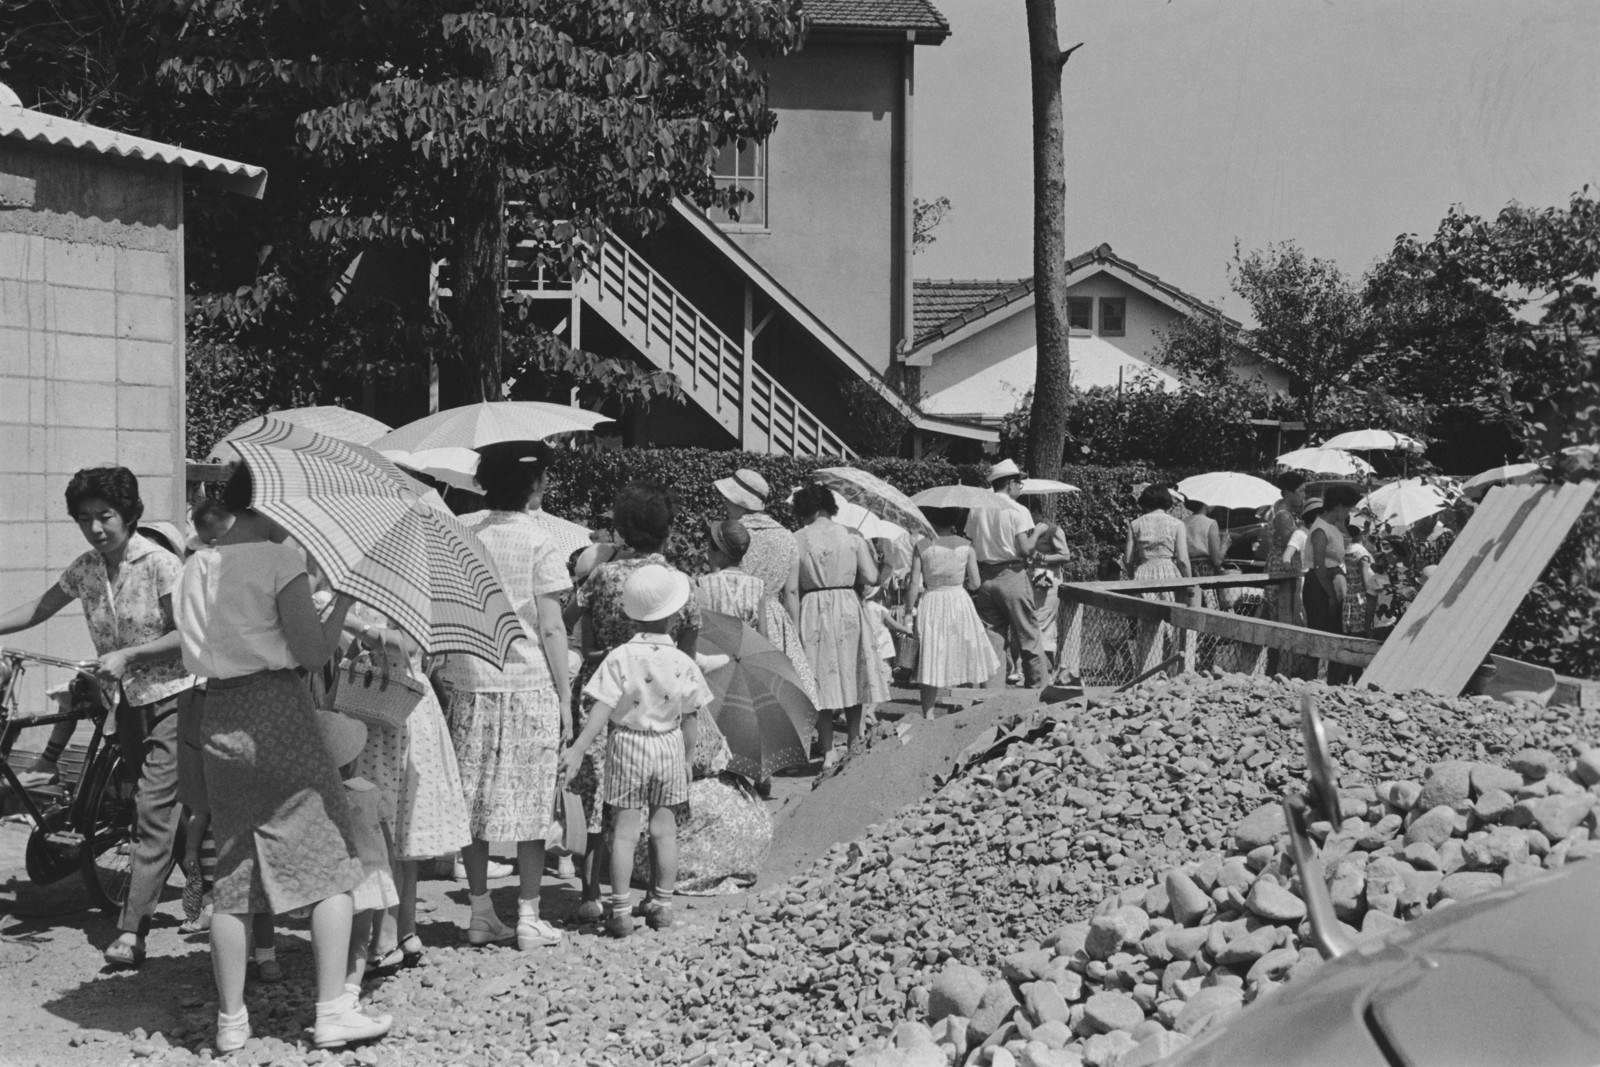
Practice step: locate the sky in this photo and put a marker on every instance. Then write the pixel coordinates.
(1338, 124)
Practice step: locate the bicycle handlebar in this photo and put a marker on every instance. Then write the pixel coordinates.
(87, 666)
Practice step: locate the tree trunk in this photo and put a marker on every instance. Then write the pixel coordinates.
(1047, 432)
(480, 267)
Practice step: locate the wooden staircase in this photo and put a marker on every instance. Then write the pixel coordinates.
(668, 330)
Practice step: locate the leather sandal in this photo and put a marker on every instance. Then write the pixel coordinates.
(411, 949)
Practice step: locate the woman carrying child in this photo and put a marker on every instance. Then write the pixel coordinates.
(643, 515)
(730, 589)
(955, 649)
(651, 694)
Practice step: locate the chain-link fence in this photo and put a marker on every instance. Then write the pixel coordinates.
(1116, 645)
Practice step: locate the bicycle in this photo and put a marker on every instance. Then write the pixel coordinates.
(88, 827)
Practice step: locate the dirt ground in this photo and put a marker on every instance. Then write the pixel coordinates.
(64, 1009)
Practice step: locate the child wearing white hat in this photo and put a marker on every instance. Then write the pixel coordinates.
(652, 694)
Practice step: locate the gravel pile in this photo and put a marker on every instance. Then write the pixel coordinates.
(1084, 807)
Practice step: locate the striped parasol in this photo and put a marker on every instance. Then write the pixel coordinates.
(380, 541)
(757, 699)
(341, 423)
(877, 496)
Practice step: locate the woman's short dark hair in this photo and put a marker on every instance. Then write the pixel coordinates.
(1155, 498)
(1341, 495)
(1196, 506)
(508, 472)
(954, 518)
(815, 499)
(643, 516)
(239, 492)
(1289, 481)
(207, 509)
(117, 486)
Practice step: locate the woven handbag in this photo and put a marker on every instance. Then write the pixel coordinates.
(907, 649)
(371, 691)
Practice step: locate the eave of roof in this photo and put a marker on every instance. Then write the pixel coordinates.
(820, 330)
(39, 128)
(918, 17)
(1020, 291)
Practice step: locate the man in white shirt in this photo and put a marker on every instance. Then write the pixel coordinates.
(1004, 537)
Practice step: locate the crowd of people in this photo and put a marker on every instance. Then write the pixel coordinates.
(224, 645)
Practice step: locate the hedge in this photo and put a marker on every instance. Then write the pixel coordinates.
(584, 483)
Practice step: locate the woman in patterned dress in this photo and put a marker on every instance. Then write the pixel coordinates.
(773, 550)
(247, 622)
(955, 649)
(1157, 549)
(833, 563)
(732, 590)
(508, 723)
(642, 516)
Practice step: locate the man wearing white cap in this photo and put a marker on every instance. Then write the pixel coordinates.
(1004, 537)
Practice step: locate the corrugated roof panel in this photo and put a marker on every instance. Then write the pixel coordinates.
(27, 125)
(1459, 614)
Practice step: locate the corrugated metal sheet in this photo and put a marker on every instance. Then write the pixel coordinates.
(1459, 613)
(35, 126)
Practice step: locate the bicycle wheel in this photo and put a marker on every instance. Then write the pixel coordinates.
(107, 827)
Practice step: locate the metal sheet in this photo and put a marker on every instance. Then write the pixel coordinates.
(1460, 612)
(36, 126)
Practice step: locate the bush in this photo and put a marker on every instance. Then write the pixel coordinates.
(584, 483)
(1558, 622)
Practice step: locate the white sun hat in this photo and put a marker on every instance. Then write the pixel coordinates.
(654, 592)
(1006, 468)
(746, 488)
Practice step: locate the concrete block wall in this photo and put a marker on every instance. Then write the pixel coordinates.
(91, 363)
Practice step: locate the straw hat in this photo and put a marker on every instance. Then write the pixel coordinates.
(746, 488)
(1006, 468)
(346, 737)
(1314, 504)
(654, 592)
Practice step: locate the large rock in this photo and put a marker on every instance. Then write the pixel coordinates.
(1558, 816)
(1033, 1056)
(1029, 966)
(1215, 1001)
(956, 990)
(1273, 902)
(1186, 899)
(1503, 845)
(1433, 827)
(1486, 778)
(1109, 933)
(1587, 769)
(1112, 1011)
(1153, 1049)
(1105, 1050)
(1464, 884)
(1446, 783)
(1386, 884)
(994, 1008)
(1044, 1003)
(1261, 827)
(1535, 763)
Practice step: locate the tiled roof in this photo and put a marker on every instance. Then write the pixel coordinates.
(940, 308)
(943, 307)
(917, 15)
(35, 126)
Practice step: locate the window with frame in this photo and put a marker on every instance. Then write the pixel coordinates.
(1113, 316)
(1080, 313)
(743, 168)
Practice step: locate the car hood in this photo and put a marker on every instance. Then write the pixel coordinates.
(1506, 977)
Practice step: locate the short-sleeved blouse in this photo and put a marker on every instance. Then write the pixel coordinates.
(771, 554)
(732, 592)
(1334, 552)
(530, 566)
(601, 597)
(1156, 535)
(127, 613)
(226, 608)
(944, 562)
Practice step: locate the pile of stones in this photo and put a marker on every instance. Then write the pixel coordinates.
(1086, 808)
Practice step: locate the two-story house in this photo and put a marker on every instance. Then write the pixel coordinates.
(975, 339)
(770, 319)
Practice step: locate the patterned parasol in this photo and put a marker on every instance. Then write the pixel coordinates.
(337, 422)
(490, 422)
(877, 496)
(379, 540)
(764, 713)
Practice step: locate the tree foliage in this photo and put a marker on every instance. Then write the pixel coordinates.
(926, 215)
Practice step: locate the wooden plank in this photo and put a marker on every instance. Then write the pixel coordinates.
(1120, 603)
(1508, 680)
(1460, 612)
(1340, 648)
(1172, 585)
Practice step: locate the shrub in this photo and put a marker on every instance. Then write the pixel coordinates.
(1558, 622)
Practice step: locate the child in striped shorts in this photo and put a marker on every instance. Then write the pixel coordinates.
(652, 694)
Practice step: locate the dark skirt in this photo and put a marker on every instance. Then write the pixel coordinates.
(278, 809)
(1321, 612)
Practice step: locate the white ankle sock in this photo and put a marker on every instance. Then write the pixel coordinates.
(351, 989)
(481, 904)
(337, 1006)
(527, 909)
(238, 1019)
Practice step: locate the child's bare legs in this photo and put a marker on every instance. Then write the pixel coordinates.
(663, 853)
(230, 953)
(589, 868)
(852, 722)
(405, 914)
(930, 698)
(361, 932)
(332, 944)
(625, 830)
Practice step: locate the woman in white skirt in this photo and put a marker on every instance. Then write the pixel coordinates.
(955, 650)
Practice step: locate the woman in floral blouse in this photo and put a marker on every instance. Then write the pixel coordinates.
(125, 582)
